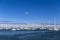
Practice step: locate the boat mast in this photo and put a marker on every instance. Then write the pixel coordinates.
(49, 22)
(54, 22)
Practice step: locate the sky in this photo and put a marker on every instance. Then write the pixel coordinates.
(29, 11)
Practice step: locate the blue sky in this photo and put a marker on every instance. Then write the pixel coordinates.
(29, 11)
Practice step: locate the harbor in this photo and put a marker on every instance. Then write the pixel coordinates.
(19, 26)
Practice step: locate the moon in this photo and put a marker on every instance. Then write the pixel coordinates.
(26, 13)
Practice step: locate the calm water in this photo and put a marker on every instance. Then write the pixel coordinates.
(29, 35)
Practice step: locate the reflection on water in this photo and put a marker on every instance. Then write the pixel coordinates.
(29, 35)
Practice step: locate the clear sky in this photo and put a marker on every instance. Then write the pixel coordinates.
(29, 11)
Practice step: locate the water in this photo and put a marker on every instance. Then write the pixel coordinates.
(29, 35)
